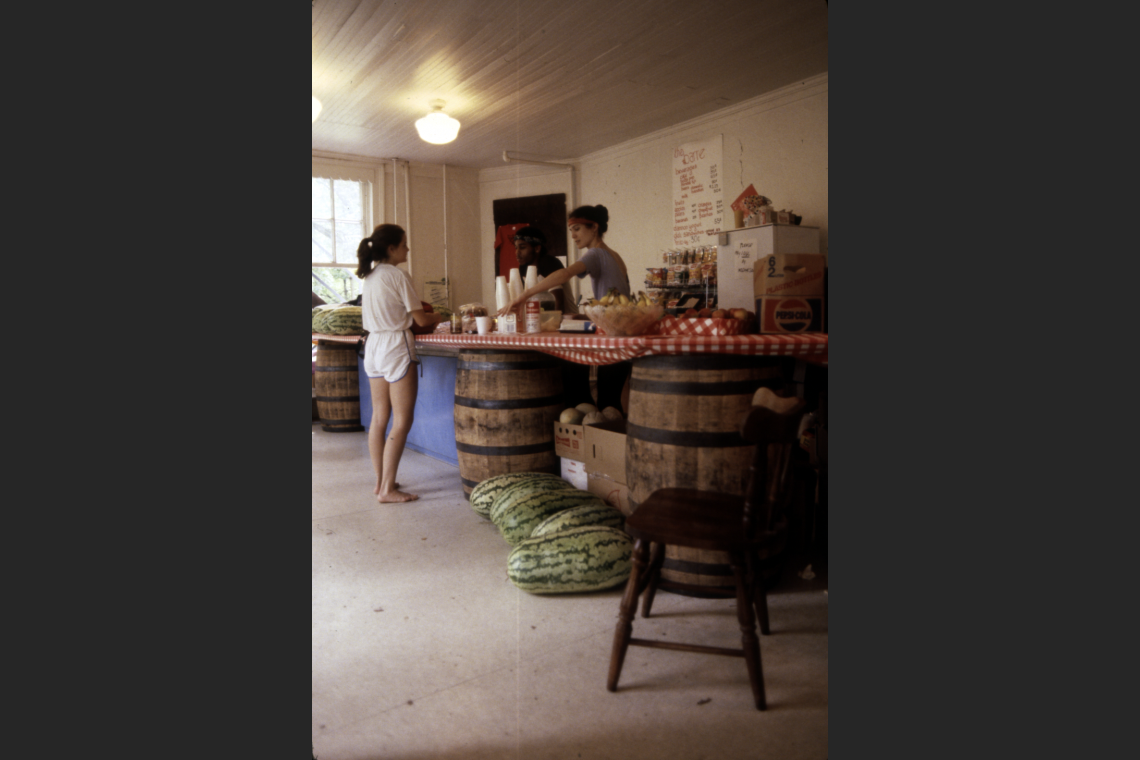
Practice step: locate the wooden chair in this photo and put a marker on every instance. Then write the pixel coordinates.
(746, 527)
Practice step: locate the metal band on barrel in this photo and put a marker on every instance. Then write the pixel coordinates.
(502, 451)
(511, 403)
(685, 437)
(726, 388)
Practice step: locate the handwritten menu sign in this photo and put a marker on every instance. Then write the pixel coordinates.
(698, 200)
(436, 291)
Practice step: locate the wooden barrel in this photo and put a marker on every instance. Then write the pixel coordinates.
(683, 431)
(506, 404)
(338, 387)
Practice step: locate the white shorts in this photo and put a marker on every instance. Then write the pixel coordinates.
(389, 354)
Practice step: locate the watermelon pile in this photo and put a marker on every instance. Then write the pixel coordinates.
(338, 319)
(565, 540)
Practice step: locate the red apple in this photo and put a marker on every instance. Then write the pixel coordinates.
(704, 313)
(739, 314)
(690, 313)
(719, 314)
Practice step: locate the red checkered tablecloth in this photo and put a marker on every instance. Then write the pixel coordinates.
(580, 349)
(810, 347)
(597, 349)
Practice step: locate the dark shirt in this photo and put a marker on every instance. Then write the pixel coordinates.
(547, 265)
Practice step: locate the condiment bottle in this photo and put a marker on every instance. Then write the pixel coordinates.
(533, 307)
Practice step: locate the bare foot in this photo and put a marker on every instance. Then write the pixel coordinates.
(395, 496)
(376, 490)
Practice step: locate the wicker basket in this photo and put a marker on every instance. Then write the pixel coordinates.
(626, 320)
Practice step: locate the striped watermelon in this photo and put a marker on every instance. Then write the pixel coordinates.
(483, 495)
(320, 314)
(591, 558)
(522, 490)
(579, 517)
(345, 320)
(518, 517)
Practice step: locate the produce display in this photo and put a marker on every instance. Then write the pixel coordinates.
(580, 517)
(612, 413)
(618, 314)
(510, 495)
(571, 417)
(517, 517)
(483, 495)
(337, 319)
(566, 540)
(593, 418)
(591, 558)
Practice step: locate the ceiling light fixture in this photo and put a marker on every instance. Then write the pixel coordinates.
(437, 127)
(316, 107)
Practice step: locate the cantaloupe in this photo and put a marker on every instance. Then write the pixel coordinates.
(571, 417)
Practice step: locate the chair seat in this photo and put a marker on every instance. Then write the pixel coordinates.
(690, 517)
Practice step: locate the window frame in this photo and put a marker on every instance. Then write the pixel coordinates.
(366, 207)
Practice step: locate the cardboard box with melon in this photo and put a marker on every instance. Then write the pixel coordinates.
(596, 439)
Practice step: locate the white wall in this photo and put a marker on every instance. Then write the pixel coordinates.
(777, 142)
(429, 240)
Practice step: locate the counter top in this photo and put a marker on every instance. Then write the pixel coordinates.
(603, 349)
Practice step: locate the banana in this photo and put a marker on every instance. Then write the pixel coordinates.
(623, 300)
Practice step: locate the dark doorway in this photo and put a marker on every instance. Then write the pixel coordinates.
(547, 212)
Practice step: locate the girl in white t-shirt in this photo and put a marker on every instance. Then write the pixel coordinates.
(389, 307)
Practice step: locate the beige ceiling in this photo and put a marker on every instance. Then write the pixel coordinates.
(547, 78)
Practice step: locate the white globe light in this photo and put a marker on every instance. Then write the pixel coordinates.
(316, 107)
(437, 127)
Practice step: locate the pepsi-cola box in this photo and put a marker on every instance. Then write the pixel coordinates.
(789, 291)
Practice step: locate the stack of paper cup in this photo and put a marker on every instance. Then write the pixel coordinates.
(502, 293)
(515, 283)
(531, 277)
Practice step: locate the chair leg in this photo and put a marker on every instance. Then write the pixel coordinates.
(749, 640)
(759, 595)
(653, 575)
(624, 629)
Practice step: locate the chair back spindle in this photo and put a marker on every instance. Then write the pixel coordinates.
(773, 426)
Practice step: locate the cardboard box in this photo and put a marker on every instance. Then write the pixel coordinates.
(789, 274)
(777, 314)
(611, 492)
(574, 473)
(789, 292)
(604, 449)
(569, 441)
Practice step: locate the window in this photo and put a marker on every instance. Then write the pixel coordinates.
(340, 222)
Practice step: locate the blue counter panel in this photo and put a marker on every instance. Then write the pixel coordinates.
(433, 431)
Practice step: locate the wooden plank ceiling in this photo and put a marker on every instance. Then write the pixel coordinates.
(553, 79)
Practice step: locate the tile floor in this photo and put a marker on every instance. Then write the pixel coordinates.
(423, 649)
